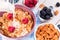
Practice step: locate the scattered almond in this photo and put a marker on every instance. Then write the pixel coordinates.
(56, 12)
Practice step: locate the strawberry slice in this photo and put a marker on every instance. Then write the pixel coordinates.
(25, 20)
(10, 16)
(11, 29)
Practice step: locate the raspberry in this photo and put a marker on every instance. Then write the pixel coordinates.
(35, 2)
(26, 1)
(11, 29)
(25, 20)
(10, 16)
(30, 3)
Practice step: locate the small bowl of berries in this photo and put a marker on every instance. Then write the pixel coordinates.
(45, 14)
(30, 3)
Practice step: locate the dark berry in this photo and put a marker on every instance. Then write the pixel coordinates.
(15, 1)
(48, 10)
(51, 15)
(57, 4)
(45, 8)
(42, 12)
(47, 17)
(42, 16)
(51, 7)
(58, 26)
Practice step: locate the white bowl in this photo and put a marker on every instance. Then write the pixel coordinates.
(44, 24)
(43, 20)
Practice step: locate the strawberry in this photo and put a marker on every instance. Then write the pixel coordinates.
(11, 29)
(25, 20)
(10, 16)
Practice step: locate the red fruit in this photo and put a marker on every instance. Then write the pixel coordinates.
(10, 16)
(35, 2)
(27, 4)
(26, 1)
(31, 5)
(25, 20)
(30, 1)
(11, 29)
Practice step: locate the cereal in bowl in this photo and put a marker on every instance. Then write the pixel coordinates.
(16, 26)
(47, 32)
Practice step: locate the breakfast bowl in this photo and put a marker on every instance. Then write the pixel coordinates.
(20, 24)
(45, 31)
(45, 13)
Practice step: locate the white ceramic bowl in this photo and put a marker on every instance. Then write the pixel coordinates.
(43, 20)
(44, 24)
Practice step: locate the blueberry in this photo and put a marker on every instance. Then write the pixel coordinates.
(51, 15)
(45, 8)
(48, 10)
(51, 7)
(57, 4)
(15, 1)
(42, 12)
(42, 16)
(58, 26)
(47, 17)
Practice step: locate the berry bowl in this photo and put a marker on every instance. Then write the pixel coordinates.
(45, 14)
(45, 31)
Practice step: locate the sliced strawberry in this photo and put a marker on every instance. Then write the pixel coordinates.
(10, 16)
(11, 29)
(25, 20)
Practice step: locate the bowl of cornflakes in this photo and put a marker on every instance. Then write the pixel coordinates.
(47, 31)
